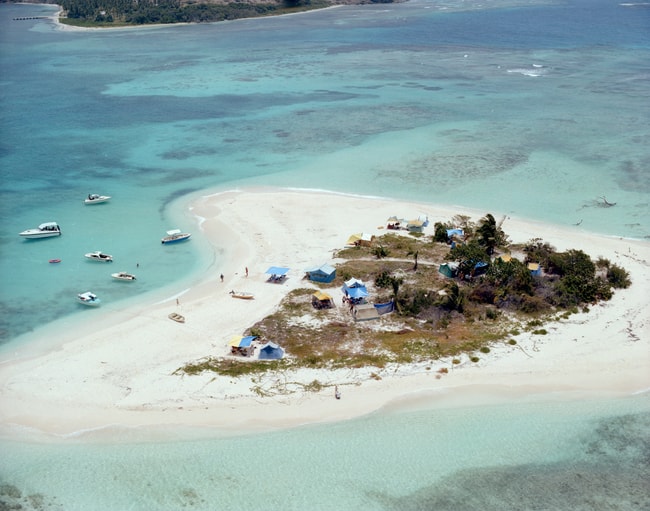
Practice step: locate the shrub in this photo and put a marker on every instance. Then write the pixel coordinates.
(512, 342)
(618, 277)
(474, 359)
(485, 349)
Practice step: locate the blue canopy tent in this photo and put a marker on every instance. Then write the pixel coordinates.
(323, 273)
(271, 351)
(277, 273)
(357, 292)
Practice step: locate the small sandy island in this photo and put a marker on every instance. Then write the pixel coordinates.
(116, 375)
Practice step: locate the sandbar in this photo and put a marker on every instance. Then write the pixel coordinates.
(116, 380)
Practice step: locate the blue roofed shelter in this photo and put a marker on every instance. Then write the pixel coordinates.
(355, 289)
(277, 273)
(323, 273)
(271, 351)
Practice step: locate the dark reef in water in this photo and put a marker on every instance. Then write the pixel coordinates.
(612, 474)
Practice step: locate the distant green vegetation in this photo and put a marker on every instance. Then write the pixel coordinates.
(106, 13)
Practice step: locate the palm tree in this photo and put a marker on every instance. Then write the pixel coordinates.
(488, 233)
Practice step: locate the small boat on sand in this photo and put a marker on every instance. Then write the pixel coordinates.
(89, 299)
(122, 275)
(177, 317)
(244, 295)
(94, 198)
(99, 256)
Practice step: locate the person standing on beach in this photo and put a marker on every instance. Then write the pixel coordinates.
(337, 394)
(222, 277)
(247, 271)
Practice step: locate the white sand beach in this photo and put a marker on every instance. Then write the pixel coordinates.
(118, 372)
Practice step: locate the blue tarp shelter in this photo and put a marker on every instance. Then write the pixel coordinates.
(323, 273)
(239, 341)
(480, 268)
(455, 232)
(385, 308)
(357, 292)
(277, 273)
(354, 289)
(271, 351)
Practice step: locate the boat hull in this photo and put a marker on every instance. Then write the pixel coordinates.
(124, 277)
(168, 240)
(88, 299)
(104, 258)
(97, 200)
(242, 295)
(38, 234)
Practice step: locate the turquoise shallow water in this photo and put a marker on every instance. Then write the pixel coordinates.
(537, 454)
(534, 111)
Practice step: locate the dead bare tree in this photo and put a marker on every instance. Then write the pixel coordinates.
(606, 203)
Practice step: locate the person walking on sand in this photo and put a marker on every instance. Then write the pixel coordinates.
(337, 394)
(247, 271)
(222, 277)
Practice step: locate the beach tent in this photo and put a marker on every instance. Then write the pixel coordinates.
(365, 312)
(449, 269)
(535, 269)
(355, 289)
(394, 223)
(271, 351)
(480, 268)
(350, 283)
(277, 273)
(323, 273)
(506, 258)
(415, 226)
(357, 292)
(360, 239)
(239, 341)
(455, 232)
(322, 300)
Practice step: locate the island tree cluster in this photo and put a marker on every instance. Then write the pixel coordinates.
(140, 12)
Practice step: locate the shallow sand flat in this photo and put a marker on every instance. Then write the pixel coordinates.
(120, 375)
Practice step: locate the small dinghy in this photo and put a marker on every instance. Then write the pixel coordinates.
(177, 317)
(244, 295)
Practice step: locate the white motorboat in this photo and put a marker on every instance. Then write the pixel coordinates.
(94, 198)
(46, 230)
(99, 256)
(174, 236)
(89, 299)
(122, 275)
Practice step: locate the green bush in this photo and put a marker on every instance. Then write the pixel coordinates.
(618, 277)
